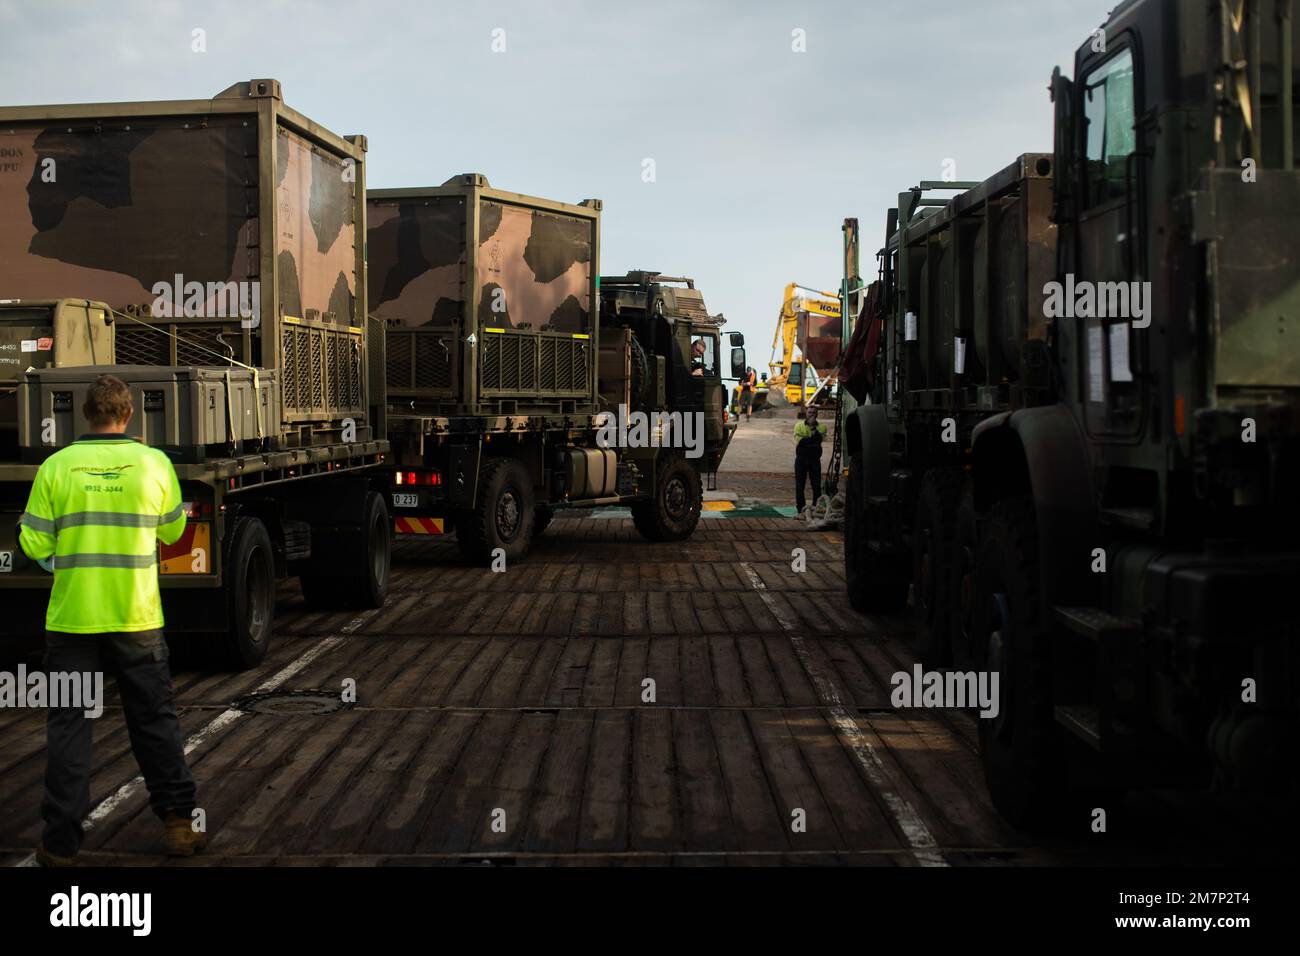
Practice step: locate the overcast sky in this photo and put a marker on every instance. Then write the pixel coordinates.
(759, 151)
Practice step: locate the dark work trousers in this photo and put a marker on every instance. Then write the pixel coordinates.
(807, 467)
(139, 662)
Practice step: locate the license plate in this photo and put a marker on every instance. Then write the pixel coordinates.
(406, 501)
(6, 562)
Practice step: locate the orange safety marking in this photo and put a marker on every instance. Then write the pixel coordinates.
(418, 525)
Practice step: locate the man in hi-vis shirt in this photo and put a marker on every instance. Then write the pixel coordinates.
(98, 508)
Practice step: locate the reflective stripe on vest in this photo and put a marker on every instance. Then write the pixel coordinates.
(64, 561)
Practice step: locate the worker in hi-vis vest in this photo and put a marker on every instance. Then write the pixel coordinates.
(808, 435)
(98, 509)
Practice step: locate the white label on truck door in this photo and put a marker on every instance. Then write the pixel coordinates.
(909, 327)
(6, 562)
(406, 501)
(1096, 381)
(1120, 371)
(29, 345)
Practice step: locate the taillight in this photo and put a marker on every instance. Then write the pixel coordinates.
(430, 478)
(201, 510)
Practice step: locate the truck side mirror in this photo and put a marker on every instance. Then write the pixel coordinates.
(737, 362)
(737, 338)
(1063, 162)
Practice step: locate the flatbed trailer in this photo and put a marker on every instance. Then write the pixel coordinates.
(197, 573)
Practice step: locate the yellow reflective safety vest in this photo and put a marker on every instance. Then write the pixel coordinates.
(99, 507)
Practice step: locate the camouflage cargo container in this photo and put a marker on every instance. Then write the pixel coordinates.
(219, 234)
(216, 230)
(488, 298)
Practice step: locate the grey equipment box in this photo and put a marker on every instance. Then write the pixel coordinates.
(192, 413)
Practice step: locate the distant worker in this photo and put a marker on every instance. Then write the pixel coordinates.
(761, 396)
(698, 348)
(808, 435)
(747, 385)
(99, 507)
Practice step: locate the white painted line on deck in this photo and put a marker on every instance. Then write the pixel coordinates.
(219, 723)
(922, 842)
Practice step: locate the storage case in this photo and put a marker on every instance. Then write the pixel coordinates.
(191, 413)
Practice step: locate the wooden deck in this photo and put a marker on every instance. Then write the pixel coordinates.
(517, 698)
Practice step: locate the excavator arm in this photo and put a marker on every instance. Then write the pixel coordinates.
(787, 329)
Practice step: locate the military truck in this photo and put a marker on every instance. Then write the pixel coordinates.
(1083, 439)
(509, 397)
(211, 254)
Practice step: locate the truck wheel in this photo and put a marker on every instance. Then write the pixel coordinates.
(961, 601)
(1018, 747)
(360, 581)
(873, 585)
(504, 515)
(250, 584)
(674, 511)
(932, 537)
(542, 516)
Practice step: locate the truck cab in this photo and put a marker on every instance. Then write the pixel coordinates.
(1145, 630)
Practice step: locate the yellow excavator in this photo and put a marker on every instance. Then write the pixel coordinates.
(804, 318)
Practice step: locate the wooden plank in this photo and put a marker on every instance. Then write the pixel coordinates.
(652, 812)
(633, 668)
(570, 674)
(240, 832)
(794, 789)
(474, 679)
(603, 824)
(796, 686)
(602, 672)
(514, 786)
(555, 813)
(408, 823)
(755, 818)
(698, 689)
(462, 812)
(701, 790)
(502, 687)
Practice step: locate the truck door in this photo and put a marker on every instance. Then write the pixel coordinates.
(1110, 250)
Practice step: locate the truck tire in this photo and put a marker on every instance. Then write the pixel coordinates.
(961, 602)
(504, 515)
(360, 582)
(1019, 747)
(674, 511)
(542, 516)
(932, 542)
(872, 582)
(250, 588)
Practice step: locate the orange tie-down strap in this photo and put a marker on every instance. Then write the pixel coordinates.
(417, 525)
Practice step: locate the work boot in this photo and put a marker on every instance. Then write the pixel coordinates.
(45, 858)
(182, 839)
